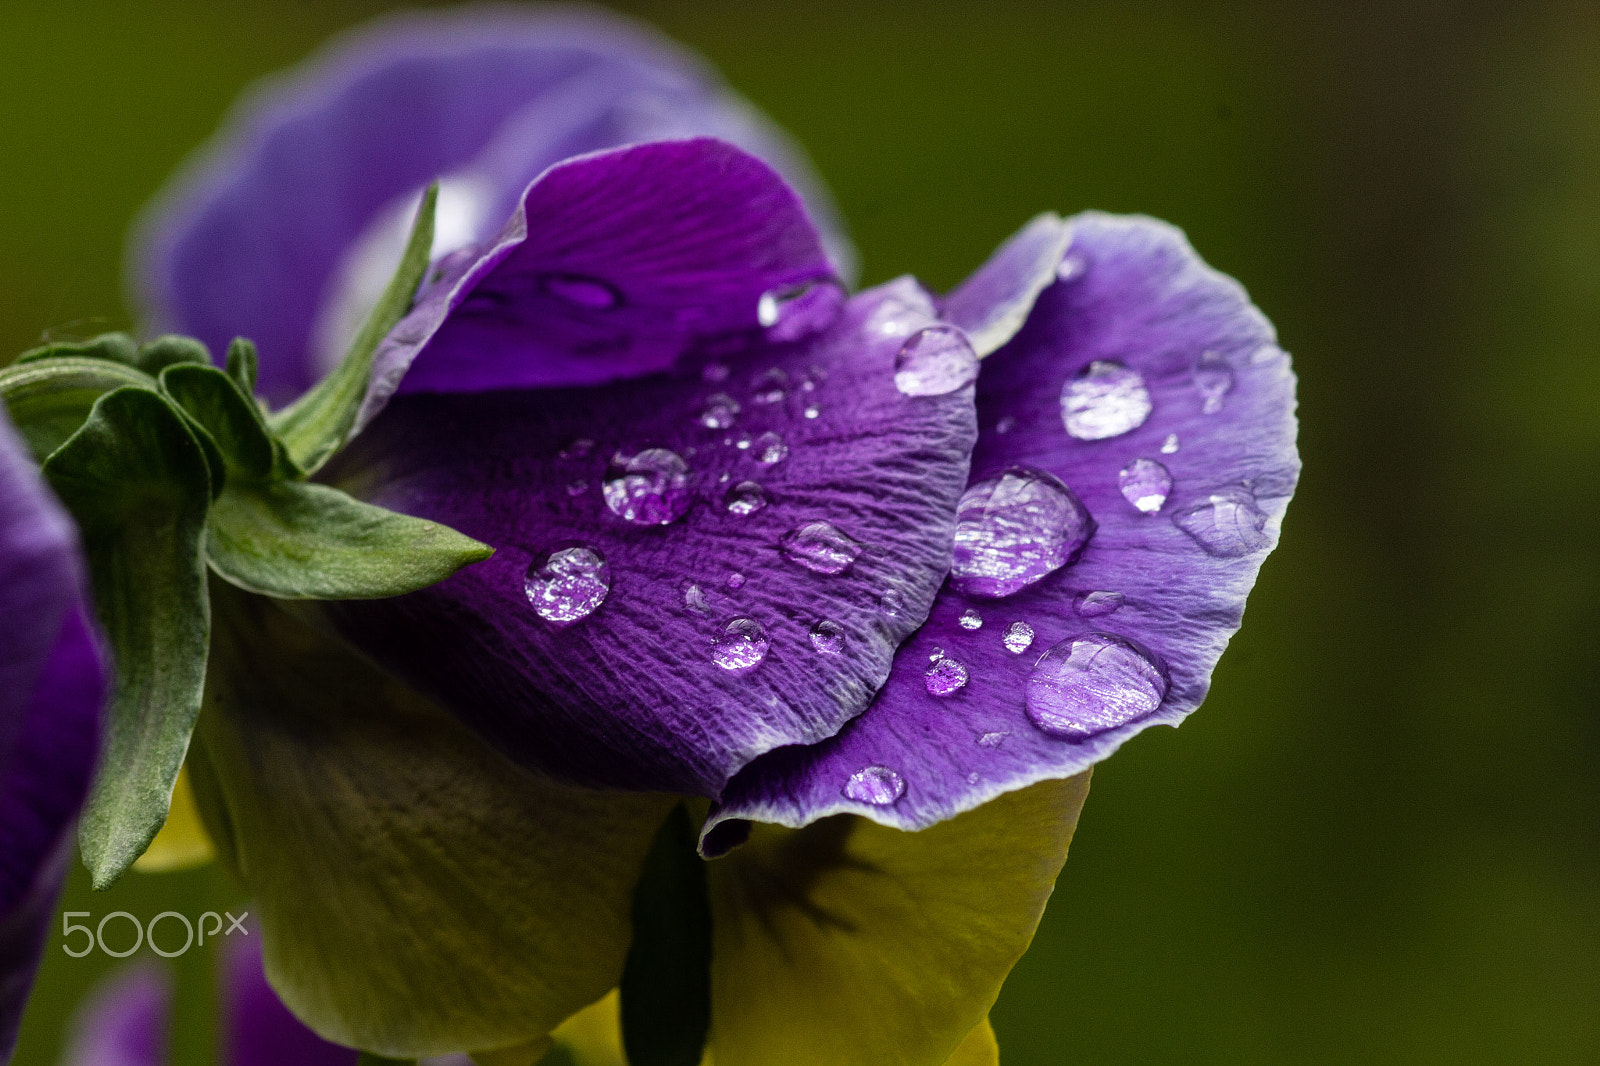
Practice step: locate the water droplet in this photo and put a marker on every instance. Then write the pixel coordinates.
(971, 619)
(935, 361)
(1006, 424)
(812, 411)
(1228, 524)
(568, 585)
(736, 580)
(819, 547)
(720, 411)
(578, 449)
(1145, 483)
(694, 598)
(742, 645)
(1014, 530)
(771, 386)
(891, 602)
(973, 778)
(1105, 399)
(877, 785)
(745, 498)
(743, 443)
(575, 488)
(945, 677)
(1070, 267)
(1170, 445)
(1088, 684)
(1018, 638)
(827, 637)
(1095, 604)
(771, 448)
(992, 740)
(935, 655)
(714, 373)
(904, 309)
(591, 294)
(791, 312)
(650, 488)
(1214, 378)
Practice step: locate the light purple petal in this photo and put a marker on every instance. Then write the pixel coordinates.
(1173, 575)
(256, 238)
(124, 1020)
(259, 1029)
(995, 301)
(722, 632)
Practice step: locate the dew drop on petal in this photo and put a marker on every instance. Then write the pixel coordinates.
(1095, 604)
(1146, 484)
(577, 487)
(1228, 524)
(736, 580)
(935, 655)
(1018, 638)
(743, 443)
(1170, 445)
(812, 411)
(1006, 424)
(1214, 378)
(892, 602)
(971, 619)
(694, 598)
(578, 449)
(650, 488)
(1105, 399)
(742, 645)
(820, 548)
(568, 585)
(1091, 683)
(771, 448)
(1070, 267)
(771, 386)
(934, 362)
(945, 677)
(974, 777)
(877, 785)
(792, 312)
(993, 740)
(1014, 530)
(719, 412)
(827, 637)
(745, 498)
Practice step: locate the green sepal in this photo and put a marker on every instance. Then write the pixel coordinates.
(666, 984)
(318, 424)
(243, 363)
(171, 350)
(298, 540)
(112, 347)
(213, 400)
(49, 400)
(135, 478)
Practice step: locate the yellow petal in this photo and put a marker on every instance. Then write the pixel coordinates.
(978, 1049)
(182, 842)
(593, 1036)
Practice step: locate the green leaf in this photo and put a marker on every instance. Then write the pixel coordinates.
(243, 364)
(418, 894)
(318, 424)
(297, 540)
(232, 420)
(666, 985)
(49, 400)
(114, 347)
(135, 479)
(171, 350)
(853, 944)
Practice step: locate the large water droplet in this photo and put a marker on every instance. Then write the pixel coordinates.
(568, 585)
(945, 677)
(793, 311)
(1095, 604)
(719, 412)
(971, 619)
(579, 290)
(745, 498)
(1228, 524)
(1214, 378)
(1014, 530)
(1170, 445)
(1088, 684)
(650, 488)
(827, 637)
(1018, 638)
(877, 785)
(819, 547)
(742, 645)
(1145, 483)
(771, 448)
(1105, 399)
(935, 361)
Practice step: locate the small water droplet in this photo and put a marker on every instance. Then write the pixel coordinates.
(1070, 267)
(771, 448)
(719, 412)
(1014, 530)
(791, 312)
(1006, 424)
(650, 488)
(591, 294)
(1105, 399)
(892, 602)
(1170, 445)
(743, 443)
(971, 619)
(827, 637)
(1018, 638)
(576, 488)
(973, 778)
(819, 547)
(993, 740)
(945, 677)
(1145, 483)
(935, 361)
(742, 645)
(935, 655)
(877, 785)
(812, 411)
(771, 386)
(1088, 684)
(736, 580)
(1228, 524)
(694, 598)
(1095, 604)
(568, 585)
(745, 498)
(714, 373)
(1214, 378)
(578, 449)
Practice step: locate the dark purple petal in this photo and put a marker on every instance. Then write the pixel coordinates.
(276, 223)
(124, 1021)
(1056, 676)
(259, 1029)
(690, 569)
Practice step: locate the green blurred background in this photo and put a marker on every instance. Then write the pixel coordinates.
(1379, 842)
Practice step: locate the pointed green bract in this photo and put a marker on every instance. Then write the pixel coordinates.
(48, 400)
(318, 424)
(135, 479)
(213, 400)
(243, 364)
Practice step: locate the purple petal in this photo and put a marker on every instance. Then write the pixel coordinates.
(995, 301)
(124, 1020)
(259, 1029)
(1059, 674)
(690, 569)
(273, 219)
